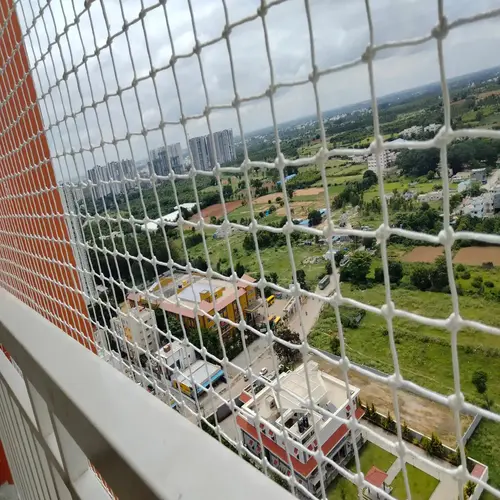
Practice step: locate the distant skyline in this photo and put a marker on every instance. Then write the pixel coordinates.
(340, 35)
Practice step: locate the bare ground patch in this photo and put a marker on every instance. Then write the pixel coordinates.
(475, 256)
(423, 254)
(421, 414)
(217, 210)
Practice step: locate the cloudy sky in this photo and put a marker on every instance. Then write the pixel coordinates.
(340, 33)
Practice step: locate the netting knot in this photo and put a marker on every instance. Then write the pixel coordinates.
(441, 30)
(446, 236)
(368, 54)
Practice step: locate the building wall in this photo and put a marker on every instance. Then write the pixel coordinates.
(31, 210)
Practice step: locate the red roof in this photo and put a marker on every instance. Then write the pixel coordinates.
(245, 397)
(478, 471)
(376, 477)
(301, 468)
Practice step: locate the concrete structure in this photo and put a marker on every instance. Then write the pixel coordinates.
(200, 153)
(481, 206)
(387, 159)
(161, 156)
(430, 196)
(478, 175)
(176, 355)
(138, 326)
(197, 376)
(224, 146)
(205, 155)
(289, 414)
(179, 298)
(69, 199)
(109, 179)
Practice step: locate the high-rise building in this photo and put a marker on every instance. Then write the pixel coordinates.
(200, 153)
(175, 155)
(160, 162)
(224, 146)
(108, 179)
(205, 155)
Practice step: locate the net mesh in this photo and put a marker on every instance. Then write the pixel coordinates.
(73, 245)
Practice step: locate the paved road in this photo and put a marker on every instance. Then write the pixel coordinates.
(310, 311)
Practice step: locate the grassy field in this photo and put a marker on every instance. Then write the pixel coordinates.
(369, 455)
(274, 259)
(421, 484)
(424, 352)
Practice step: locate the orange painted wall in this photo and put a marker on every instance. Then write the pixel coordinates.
(26, 222)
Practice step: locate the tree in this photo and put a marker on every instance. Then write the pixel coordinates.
(289, 191)
(395, 271)
(420, 277)
(273, 278)
(439, 274)
(240, 269)
(315, 218)
(369, 178)
(379, 275)
(227, 191)
(335, 345)
(415, 162)
(480, 379)
(338, 257)
(328, 268)
(301, 279)
(357, 268)
(288, 356)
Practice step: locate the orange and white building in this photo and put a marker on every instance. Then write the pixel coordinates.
(290, 424)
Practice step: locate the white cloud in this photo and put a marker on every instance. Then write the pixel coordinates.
(340, 32)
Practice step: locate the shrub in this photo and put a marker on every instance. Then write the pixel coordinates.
(465, 275)
(476, 283)
(489, 284)
(487, 265)
(460, 268)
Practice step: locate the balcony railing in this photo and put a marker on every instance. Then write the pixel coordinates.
(74, 427)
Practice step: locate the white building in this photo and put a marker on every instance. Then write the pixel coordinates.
(387, 159)
(176, 355)
(138, 326)
(478, 175)
(430, 196)
(293, 417)
(479, 206)
(152, 227)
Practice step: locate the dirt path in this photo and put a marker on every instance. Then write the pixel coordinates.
(419, 413)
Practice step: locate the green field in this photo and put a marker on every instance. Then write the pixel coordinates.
(369, 455)
(421, 484)
(424, 352)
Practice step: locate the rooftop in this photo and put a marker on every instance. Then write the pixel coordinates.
(376, 477)
(291, 408)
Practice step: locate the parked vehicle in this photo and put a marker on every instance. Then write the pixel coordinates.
(324, 282)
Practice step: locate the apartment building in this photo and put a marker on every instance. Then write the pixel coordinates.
(205, 155)
(387, 159)
(200, 153)
(224, 146)
(289, 422)
(179, 297)
(160, 157)
(108, 179)
(138, 326)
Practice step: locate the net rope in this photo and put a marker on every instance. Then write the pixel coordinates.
(60, 66)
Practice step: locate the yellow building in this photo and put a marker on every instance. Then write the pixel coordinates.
(182, 296)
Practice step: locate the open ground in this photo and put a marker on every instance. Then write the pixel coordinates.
(423, 254)
(419, 413)
(475, 256)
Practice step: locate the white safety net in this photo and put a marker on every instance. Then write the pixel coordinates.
(147, 293)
